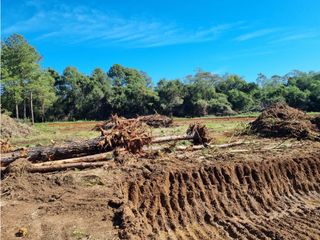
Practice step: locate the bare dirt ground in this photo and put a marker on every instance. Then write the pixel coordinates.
(206, 194)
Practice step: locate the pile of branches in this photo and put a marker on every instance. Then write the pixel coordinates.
(155, 121)
(131, 134)
(125, 135)
(280, 120)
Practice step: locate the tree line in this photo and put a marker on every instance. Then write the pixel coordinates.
(31, 92)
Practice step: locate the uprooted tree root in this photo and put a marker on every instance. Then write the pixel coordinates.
(5, 146)
(280, 120)
(133, 134)
(130, 134)
(200, 133)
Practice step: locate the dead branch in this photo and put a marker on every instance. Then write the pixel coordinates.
(196, 147)
(59, 167)
(172, 138)
(92, 158)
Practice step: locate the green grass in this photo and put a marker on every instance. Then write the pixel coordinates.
(313, 113)
(45, 134)
(253, 114)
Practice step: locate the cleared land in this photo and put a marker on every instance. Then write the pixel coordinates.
(262, 189)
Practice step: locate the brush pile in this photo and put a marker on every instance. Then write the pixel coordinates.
(280, 120)
(131, 134)
(156, 120)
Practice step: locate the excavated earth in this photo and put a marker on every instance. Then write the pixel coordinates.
(208, 194)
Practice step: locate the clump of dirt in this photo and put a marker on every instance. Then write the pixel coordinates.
(18, 167)
(156, 120)
(280, 120)
(12, 128)
(130, 134)
(200, 132)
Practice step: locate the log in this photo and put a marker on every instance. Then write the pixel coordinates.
(171, 138)
(71, 150)
(60, 167)
(42, 154)
(92, 158)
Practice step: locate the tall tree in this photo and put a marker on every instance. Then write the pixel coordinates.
(19, 60)
(171, 95)
(132, 93)
(43, 93)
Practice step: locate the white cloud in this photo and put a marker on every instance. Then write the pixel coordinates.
(296, 36)
(256, 34)
(80, 24)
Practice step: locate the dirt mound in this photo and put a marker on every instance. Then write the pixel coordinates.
(12, 128)
(280, 120)
(244, 200)
(156, 120)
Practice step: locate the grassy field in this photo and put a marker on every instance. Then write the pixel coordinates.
(58, 132)
(48, 133)
(222, 128)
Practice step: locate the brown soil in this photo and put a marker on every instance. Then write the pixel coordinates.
(191, 195)
(280, 120)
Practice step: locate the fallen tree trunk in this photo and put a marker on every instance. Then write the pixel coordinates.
(74, 149)
(91, 158)
(60, 167)
(41, 154)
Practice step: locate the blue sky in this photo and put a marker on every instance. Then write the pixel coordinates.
(171, 39)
